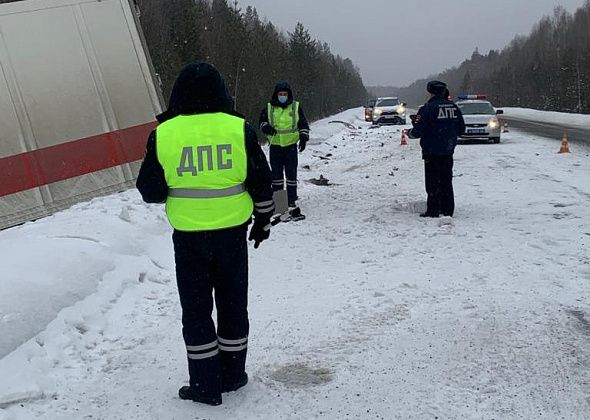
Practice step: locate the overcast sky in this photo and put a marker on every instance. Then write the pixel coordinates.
(395, 42)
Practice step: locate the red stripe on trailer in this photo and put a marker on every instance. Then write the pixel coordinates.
(71, 159)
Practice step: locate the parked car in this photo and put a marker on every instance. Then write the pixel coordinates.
(389, 110)
(481, 121)
(369, 110)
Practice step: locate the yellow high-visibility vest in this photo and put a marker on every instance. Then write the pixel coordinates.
(205, 165)
(285, 121)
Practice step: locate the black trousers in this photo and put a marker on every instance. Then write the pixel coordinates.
(438, 175)
(207, 262)
(283, 164)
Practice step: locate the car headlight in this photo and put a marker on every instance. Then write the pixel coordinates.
(378, 111)
(401, 110)
(493, 123)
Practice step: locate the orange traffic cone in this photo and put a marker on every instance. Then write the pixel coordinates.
(565, 145)
(404, 140)
(505, 127)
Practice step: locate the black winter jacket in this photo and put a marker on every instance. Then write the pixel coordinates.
(438, 124)
(200, 89)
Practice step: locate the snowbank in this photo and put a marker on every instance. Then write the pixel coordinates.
(329, 127)
(58, 261)
(557, 118)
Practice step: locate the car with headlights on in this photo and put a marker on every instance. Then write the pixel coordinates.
(389, 110)
(481, 119)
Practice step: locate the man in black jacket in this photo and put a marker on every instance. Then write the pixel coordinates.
(205, 163)
(283, 121)
(438, 124)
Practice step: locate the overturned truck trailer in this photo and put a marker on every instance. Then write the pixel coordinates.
(77, 101)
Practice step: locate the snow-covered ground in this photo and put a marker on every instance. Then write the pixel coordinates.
(557, 118)
(364, 310)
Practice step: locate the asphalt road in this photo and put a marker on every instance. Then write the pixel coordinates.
(552, 131)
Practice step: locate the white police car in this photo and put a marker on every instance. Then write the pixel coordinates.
(481, 121)
(389, 111)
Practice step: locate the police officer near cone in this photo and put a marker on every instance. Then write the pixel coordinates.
(285, 125)
(438, 125)
(204, 162)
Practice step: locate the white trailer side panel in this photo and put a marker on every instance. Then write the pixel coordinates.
(77, 100)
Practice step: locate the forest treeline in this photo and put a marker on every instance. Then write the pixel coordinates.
(549, 69)
(251, 53)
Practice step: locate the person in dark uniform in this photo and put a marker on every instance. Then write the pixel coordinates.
(203, 160)
(438, 124)
(283, 122)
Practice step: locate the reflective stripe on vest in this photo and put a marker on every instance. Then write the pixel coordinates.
(285, 121)
(197, 193)
(205, 166)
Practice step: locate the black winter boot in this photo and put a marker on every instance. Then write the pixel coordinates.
(187, 393)
(295, 214)
(236, 385)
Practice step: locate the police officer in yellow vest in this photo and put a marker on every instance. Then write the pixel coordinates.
(285, 125)
(204, 162)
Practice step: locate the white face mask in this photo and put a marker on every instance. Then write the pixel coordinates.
(283, 99)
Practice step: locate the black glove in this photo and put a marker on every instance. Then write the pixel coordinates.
(260, 230)
(269, 130)
(302, 143)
